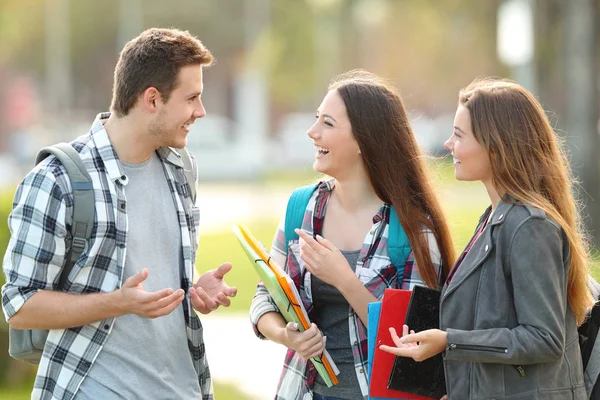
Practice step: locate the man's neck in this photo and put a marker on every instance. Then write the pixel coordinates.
(129, 138)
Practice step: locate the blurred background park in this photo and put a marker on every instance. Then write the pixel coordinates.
(274, 60)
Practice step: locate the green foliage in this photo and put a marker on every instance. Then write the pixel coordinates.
(6, 198)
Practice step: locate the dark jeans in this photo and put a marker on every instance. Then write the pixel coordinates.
(319, 397)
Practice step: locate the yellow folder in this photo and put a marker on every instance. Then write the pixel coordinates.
(284, 293)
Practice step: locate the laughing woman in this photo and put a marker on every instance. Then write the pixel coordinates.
(512, 303)
(363, 140)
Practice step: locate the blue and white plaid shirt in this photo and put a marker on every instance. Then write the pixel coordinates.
(40, 225)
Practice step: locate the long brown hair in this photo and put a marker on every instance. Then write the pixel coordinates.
(395, 165)
(529, 164)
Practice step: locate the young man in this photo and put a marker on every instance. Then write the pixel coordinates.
(125, 326)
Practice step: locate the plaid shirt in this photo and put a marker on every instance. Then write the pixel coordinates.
(40, 225)
(374, 269)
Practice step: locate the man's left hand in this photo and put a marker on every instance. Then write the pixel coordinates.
(210, 290)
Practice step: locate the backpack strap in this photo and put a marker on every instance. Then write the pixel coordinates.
(398, 245)
(190, 171)
(294, 214)
(84, 205)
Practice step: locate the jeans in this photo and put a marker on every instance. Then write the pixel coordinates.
(319, 397)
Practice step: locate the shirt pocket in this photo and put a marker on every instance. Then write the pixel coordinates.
(379, 277)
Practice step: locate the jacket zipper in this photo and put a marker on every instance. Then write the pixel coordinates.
(493, 349)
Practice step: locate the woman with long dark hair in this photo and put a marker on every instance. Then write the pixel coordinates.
(340, 262)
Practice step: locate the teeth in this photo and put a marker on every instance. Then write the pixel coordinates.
(321, 150)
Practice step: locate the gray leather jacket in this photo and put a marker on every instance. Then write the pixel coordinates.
(511, 332)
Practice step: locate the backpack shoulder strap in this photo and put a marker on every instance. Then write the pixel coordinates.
(398, 244)
(83, 201)
(190, 171)
(294, 213)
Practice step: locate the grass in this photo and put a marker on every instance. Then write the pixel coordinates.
(15, 394)
(216, 248)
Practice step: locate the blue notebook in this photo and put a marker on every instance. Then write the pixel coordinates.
(374, 311)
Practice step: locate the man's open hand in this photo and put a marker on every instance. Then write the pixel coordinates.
(211, 291)
(133, 299)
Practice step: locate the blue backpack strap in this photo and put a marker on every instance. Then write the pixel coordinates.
(294, 214)
(398, 245)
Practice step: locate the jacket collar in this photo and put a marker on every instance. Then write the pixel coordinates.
(481, 249)
(504, 206)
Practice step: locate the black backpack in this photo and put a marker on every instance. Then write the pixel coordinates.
(590, 345)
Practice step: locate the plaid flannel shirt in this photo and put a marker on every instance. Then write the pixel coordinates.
(40, 225)
(374, 269)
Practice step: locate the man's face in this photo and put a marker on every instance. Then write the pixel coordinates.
(172, 123)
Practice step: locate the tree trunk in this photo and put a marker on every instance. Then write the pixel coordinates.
(581, 107)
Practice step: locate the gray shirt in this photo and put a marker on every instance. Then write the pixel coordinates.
(147, 358)
(331, 309)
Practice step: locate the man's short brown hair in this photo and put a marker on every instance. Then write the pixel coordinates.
(154, 59)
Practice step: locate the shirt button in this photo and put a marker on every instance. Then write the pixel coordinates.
(486, 248)
(362, 371)
(122, 206)
(123, 177)
(356, 342)
(106, 326)
(121, 245)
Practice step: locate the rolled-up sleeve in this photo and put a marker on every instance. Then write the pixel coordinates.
(262, 302)
(36, 249)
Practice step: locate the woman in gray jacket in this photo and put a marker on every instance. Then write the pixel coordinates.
(511, 305)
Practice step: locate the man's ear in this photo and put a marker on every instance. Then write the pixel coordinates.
(150, 99)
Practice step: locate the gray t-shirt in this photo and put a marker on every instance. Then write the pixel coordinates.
(331, 309)
(147, 358)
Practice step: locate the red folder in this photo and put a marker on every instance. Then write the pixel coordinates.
(393, 312)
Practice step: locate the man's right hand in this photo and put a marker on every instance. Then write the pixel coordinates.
(133, 299)
(307, 344)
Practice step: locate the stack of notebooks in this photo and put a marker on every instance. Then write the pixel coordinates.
(284, 293)
(394, 377)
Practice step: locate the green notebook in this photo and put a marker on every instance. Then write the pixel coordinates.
(283, 302)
